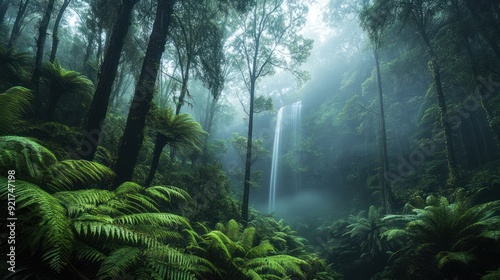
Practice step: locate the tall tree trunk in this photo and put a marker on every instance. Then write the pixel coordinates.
(386, 186)
(4, 6)
(134, 130)
(55, 31)
(98, 54)
(184, 89)
(248, 158)
(40, 43)
(161, 141)
(16, 28)
(435, 69)
(107, 74)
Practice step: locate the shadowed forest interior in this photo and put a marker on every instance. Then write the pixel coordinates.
(250, 139)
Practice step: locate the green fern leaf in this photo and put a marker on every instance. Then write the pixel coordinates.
(118, 261)
(71, 174)
(26, 156)
(15, 102)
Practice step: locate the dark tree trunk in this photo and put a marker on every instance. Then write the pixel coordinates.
(55, 31)
(435, 69)
(16, 28)
(134, 130)
(99, 44)
(387, 195)
(4, 6)
(161, 141)
(40, 43)
(184, 89)
(88, 49)
(107, 74)
(248, 158)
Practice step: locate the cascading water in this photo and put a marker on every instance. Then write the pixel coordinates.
(285, 116)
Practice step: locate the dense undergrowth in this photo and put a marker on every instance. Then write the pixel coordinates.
(75, 223)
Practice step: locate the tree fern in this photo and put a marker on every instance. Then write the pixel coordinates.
(14, 67)
(60, 82)
(448, 240)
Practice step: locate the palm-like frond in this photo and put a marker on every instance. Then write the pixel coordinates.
(167, 193)
(16, 102)
(61, 81)
(53, 235)
(26, 156)
(14, 67)
(239, 258)
(74, 174)
(66, 83)
(180, 131)
(118, 261)
(451, 238)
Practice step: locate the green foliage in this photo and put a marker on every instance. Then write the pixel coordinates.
(71, 87)
(15, 68)
(26, 156)
(179, 131)
(262, 104)
(457, 240)
(120, 230)
(235, 255)
(16, 102)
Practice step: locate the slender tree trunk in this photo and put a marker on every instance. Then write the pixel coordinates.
(134, 130)
(55, 31)
(88, 49)
(98, 54)
(435, 69)
(161, 141)
(386, 186)
(4, 6)
(16, 28)
(99, 106)
(40, 43)
(184, 89)
(248, 158)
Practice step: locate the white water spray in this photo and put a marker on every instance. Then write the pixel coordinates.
(294, 116)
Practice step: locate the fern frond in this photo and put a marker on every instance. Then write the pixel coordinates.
(232, 230)
(104, 226)
(166, 193)
(261, 250)
(165, 219)
(218, 241)
(128, 187)
(16, 102)
(78, 202)
(169, 263)
(26, 156)
(84, 252)
(247, 238)
(71, 174)
(118, 261)
(444, 258)
(54, 236)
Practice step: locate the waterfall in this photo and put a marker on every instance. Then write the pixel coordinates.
(292, 118)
